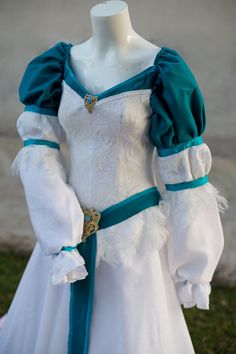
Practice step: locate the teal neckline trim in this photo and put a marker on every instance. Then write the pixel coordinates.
(185, 185)
(49, 143)
(140, 81)
(40, 110)
(164, 152)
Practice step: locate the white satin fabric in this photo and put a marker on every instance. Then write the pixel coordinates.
(55, 212)
(196, 238)
(140, 262)
(186, 165)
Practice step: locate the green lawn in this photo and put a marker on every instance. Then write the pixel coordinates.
(212, 332)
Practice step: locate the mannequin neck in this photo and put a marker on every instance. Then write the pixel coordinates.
(111, 26)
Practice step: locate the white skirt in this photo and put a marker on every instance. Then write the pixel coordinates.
(135, 307)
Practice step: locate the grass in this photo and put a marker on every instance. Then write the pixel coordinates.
(212, 332)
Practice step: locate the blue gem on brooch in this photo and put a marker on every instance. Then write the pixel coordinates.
(89, 102)
(87, 218)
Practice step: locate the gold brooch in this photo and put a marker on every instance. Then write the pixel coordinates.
(91, 220)
(89, 102)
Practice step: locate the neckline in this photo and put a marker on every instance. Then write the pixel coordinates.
(76, 85)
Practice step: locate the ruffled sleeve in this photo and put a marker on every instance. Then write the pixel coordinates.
(177, 124)
(54, 209)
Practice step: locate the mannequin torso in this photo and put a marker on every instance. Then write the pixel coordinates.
(114, 53)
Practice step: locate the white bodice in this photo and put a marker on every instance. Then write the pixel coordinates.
(111, 155)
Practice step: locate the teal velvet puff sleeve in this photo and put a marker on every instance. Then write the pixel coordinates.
(55, 212)
(177, 124)
(179, 113)
(40, 88)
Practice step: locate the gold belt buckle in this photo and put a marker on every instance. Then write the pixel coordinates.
(91, 222)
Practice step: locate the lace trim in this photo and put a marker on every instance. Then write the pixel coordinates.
(169, 199)
(67, 267)
(141, 234)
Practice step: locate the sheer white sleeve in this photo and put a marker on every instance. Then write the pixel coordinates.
(196, 237)
(54, 210)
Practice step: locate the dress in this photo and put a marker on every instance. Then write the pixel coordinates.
(144, 132)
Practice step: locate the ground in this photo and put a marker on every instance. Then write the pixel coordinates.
(212, 332)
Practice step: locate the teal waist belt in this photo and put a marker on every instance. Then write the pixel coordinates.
(81, 291)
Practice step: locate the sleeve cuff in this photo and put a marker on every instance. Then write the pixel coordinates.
(68, 267)
(190, 294)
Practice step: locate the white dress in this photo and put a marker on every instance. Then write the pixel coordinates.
(147, 265)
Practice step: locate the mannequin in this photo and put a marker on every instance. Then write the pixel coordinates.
(114, 259)
(114, 53)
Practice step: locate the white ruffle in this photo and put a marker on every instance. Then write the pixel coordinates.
(190, 294)
(32, 125)
(186, 165)
(195, 241)
(68, 267)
